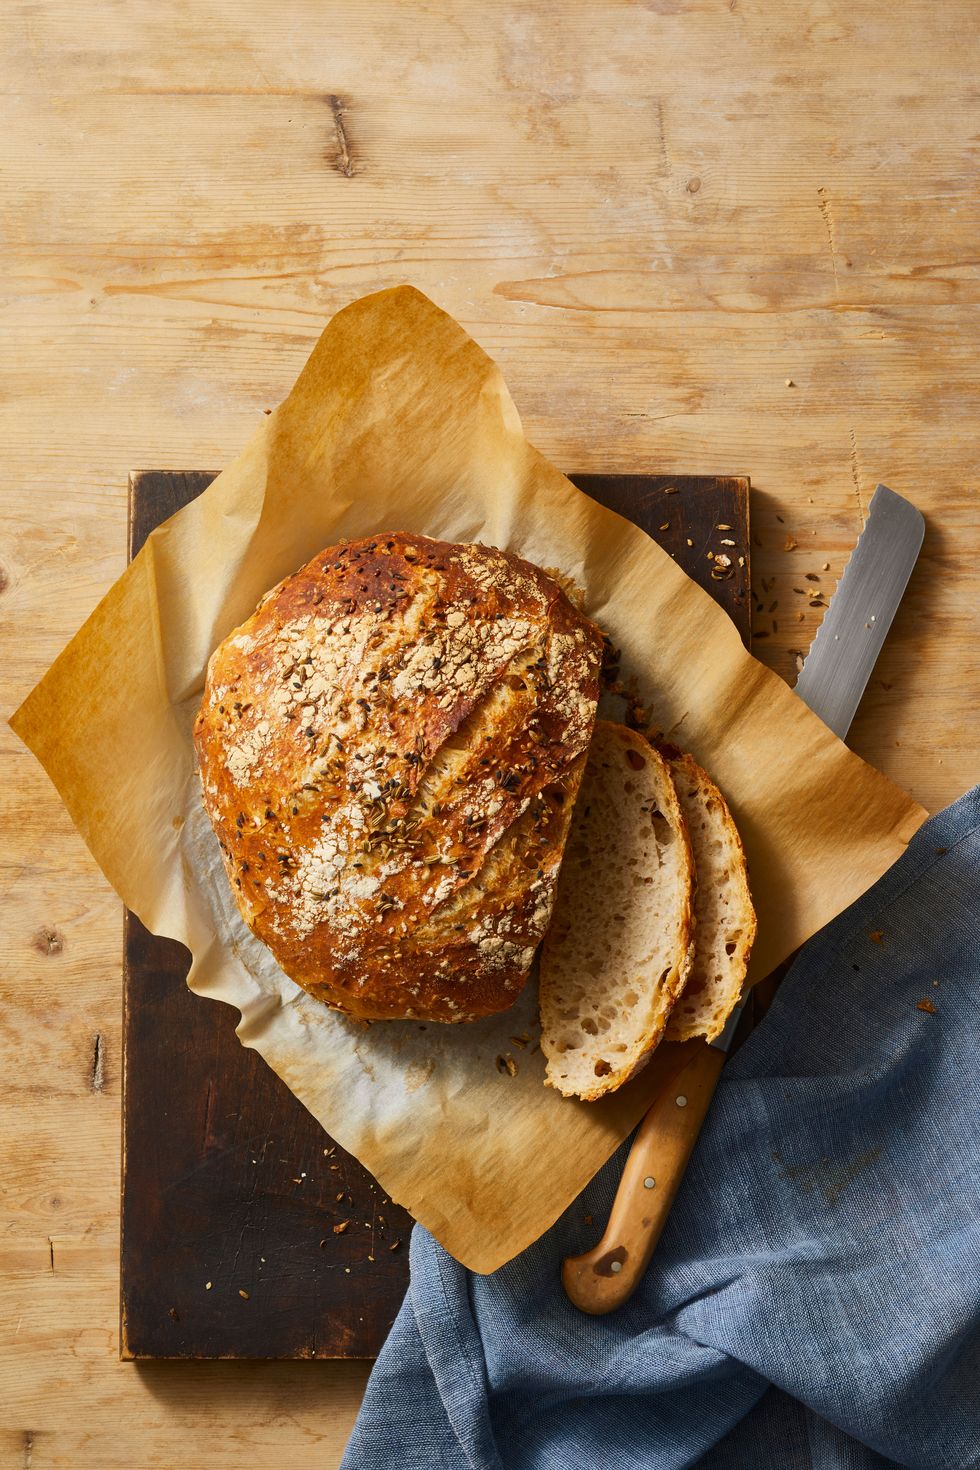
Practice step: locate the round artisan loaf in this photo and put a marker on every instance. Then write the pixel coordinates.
(390, 749)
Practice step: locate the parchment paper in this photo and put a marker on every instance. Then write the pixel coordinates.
(399, 421)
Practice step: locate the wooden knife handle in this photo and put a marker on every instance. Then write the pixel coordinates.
(605, 1277)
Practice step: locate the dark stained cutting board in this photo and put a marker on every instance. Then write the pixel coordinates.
(226, 1178)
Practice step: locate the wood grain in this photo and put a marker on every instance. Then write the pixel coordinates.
(228, 1184)
(656, 217)
(603, 1278)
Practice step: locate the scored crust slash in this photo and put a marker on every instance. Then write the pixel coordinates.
(391, 753)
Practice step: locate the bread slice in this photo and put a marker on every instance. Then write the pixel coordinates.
(620, 945)
(724, 916)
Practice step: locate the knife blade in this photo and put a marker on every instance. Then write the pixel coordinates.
(836, 671)
(832, 680)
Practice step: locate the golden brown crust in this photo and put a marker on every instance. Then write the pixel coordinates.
(390, 748)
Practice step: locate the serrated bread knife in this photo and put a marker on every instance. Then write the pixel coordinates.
(831, 682)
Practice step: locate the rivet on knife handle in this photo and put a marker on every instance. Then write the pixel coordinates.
(607, 1275)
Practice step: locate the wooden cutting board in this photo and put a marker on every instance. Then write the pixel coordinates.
(246, 1233)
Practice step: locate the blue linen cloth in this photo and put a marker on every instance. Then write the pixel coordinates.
(814, 1302)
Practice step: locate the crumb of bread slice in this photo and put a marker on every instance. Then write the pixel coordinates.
(620, 945)
(724, 916)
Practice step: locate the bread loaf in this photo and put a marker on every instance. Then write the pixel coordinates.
(620, 946)
(390, 749)
(725, 918)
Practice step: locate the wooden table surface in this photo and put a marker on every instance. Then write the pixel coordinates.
(712, 236)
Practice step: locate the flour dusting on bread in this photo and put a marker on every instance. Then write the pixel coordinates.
(399, 723)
